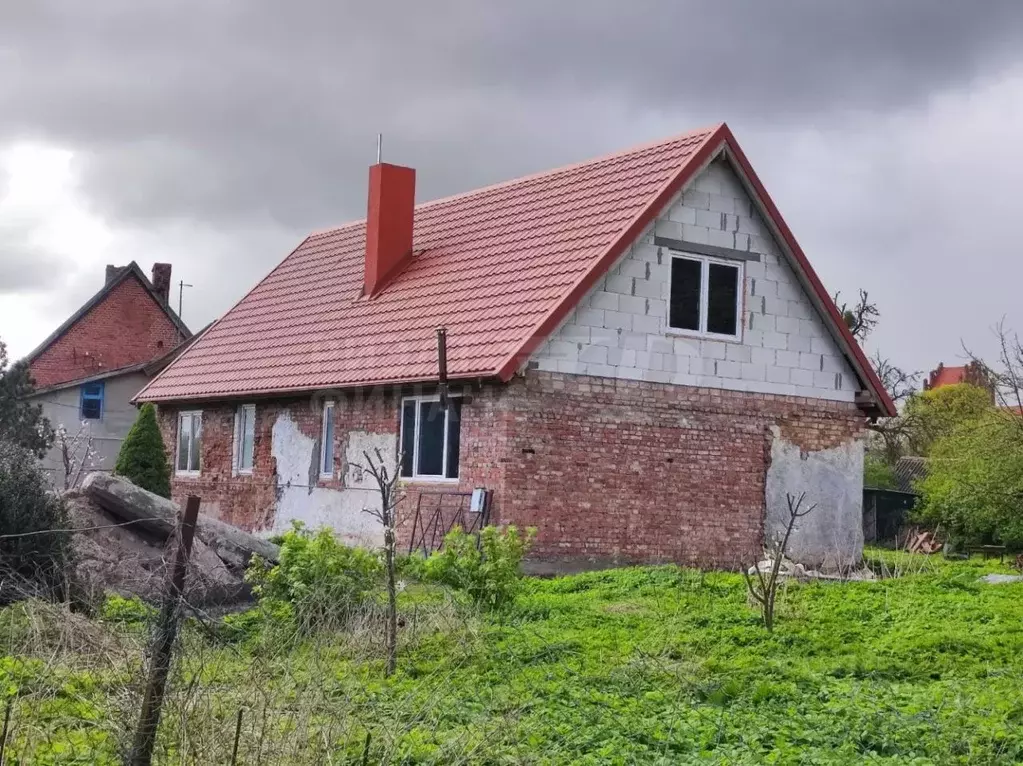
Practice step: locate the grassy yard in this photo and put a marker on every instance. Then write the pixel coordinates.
(643, 665)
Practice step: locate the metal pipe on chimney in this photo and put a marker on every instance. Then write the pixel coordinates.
(442, 366)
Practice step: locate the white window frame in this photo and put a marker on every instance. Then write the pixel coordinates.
(740, 295)
(244, 415)
(191, 444)
(326, 417)
(416, 476)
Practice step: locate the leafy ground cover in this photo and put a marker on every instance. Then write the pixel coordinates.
(643, 665)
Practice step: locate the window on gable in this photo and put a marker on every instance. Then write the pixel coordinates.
(430, 438)
(244, 438)
(706, 296)
(327, 441)
(91, 405)
(189, 443)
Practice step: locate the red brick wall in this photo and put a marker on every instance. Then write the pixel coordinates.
(127, 327)
(608, 471)
(248, 500)
(612, 471)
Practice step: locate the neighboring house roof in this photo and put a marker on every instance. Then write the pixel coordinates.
(131, 270)
(500, 268)
(948, 376)
(91, 379)
(908, 471)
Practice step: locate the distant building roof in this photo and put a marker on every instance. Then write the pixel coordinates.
(908, 471)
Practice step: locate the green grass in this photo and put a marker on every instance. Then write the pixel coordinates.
(642, 665)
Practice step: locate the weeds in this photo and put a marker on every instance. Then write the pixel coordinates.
(643, 665)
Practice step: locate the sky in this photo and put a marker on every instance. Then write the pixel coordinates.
(215, 134)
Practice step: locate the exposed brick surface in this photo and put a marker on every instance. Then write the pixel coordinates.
(127, 327)
(607, 470)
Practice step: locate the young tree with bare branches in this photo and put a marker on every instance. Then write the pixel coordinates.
(387, 476)
(764, 589)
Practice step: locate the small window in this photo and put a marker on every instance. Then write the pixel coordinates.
(430, 438)
(244, 438)
(327, 441)
(706, 296)
(189, 443)
(91, 407)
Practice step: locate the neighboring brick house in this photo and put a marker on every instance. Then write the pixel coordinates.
(88, 370)
(972, 373)
(642, 361)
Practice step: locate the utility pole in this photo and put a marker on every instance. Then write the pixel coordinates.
(181, 294)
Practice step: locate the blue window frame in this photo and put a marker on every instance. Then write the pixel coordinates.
(91, 407)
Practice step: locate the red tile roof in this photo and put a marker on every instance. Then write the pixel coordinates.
(500, 267)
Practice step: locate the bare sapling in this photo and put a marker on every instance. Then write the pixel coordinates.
(388, 481)
(763, 586)
(78, 454)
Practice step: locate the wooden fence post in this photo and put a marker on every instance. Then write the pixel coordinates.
(163, 644)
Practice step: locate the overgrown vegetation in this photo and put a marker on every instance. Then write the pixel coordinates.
(646, 665)
(21, 422)
(142, 458)
(487, 570)
(974, 485)
(319, 582)
(31, 563)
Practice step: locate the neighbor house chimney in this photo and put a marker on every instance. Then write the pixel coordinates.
(392, 201)
(161, 280)
(112, 272)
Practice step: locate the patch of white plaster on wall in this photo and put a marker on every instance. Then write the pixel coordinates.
(832, 535)
(340, 510)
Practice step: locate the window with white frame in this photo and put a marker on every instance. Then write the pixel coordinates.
(244, 438)
(430, 437)
(327, 441)
(706, 296)
(188, 460)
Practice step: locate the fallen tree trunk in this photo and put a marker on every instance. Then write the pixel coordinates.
(157, 516)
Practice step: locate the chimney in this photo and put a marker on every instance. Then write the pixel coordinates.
(112, 272)
(162, 280)
(392, 200)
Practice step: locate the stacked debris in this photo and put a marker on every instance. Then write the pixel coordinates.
(126, 537)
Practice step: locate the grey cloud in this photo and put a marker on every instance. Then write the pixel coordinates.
(24, 265)
(225, 130)
(220, 111)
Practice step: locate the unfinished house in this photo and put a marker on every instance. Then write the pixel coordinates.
(641, 363)
(87, 371)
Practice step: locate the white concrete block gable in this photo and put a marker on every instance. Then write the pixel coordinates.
(620, 328)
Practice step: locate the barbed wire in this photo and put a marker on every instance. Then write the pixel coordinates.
(85, 529)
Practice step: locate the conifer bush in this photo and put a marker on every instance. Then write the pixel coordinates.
(142, 459)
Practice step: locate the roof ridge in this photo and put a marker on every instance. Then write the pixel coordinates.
(706, 131)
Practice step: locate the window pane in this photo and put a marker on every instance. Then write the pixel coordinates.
(431, 439)
(327, 465)
(454, 436)
(92, 409)
(248, 434)
(684, 307)
(196, 451)
(184, 436)
(91, 401)
(408, 436)
(722, 299)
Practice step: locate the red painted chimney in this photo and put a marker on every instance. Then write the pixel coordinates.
(392, 202)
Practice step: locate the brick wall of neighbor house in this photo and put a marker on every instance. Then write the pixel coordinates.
(126, 328)
(619, 330)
